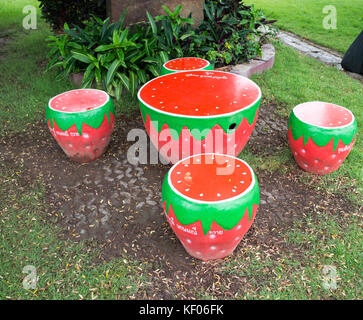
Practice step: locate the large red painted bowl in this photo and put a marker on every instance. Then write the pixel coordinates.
(81, 121)
(321, 135)
(210, 201)
(194, 112)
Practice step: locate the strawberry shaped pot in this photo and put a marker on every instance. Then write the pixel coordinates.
(185, 64)
(210, 201)
(82, 122)
(321, 136)
(195, 112)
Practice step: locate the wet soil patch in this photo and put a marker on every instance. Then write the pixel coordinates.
(118, 205)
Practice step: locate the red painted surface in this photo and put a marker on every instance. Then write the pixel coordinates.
(217, 141)
(181, 64)
(319, 160)
(323, 114)
(199, 93)
(87, 147)
(190, 175)
(78, 100)
(217, 244)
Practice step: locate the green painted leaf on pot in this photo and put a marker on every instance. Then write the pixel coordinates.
(92, 118)
(227, 214)
(198, 126)
(321, 136)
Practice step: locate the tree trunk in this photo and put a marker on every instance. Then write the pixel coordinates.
(137, 9)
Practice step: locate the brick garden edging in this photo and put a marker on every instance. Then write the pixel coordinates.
(257, 65)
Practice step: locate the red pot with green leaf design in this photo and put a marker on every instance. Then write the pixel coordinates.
(194, 112)
(210, 201)
(82, 122)
(321, 135)
(185, 64)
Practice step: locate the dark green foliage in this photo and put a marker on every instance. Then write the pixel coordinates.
(231, 30)
(59, 12)
(111, 56)
(228, 34)
(174, 33)
(114, 57)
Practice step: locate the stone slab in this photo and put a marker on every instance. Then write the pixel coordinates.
(311, 50)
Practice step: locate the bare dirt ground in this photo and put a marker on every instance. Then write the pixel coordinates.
(118, 205)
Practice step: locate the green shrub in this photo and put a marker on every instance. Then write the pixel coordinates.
(115, 57)
(228, 34)
(230, 31)
(174, 33)
(59, 12)
(110, 55)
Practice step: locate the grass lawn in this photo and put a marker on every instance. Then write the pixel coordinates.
(295, 79)
(305, 18)
(69, 270)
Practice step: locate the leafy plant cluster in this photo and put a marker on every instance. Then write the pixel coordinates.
(229, 34)
(58, 12)
(114, 57)
(231, 31)
(173, 32)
